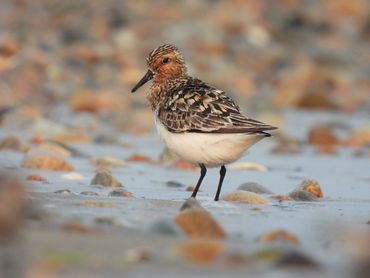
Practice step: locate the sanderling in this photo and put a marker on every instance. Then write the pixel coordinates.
(198, 122)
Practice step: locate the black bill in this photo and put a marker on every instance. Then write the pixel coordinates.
(149, 75)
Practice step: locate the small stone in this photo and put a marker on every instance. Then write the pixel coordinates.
(183, 165)
(302, 195)
(312, 186)
(14, 144)
(89, 193)
(281, 198)
(139, 158)
(63, 191)
(254, 187)
(316, 100)
(359, 138)
(191, 188)
(35, 177)
(106, 162)
(279, 236)
(191, 203)
(245, 196)
(120, 193)
(73, 176)
(9, 47)
(45, 161)
(174, 184)
(105, 179)
(55, 149)
(248, 166)
(196, 222)
(296, 259)
(326, 149)
(200, 251)
(165, 227)
(322, 135)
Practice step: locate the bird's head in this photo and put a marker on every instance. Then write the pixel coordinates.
(164, 63)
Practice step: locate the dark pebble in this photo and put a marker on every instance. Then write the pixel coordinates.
(296, 259)
(120, 193)
(174, 184)
(301, 195)
(105, 179)
(63, 191)
(254, 187)
(89, 193)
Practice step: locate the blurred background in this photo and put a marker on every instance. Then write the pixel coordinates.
(85, 56)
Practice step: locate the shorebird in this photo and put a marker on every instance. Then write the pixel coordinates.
(197, 121)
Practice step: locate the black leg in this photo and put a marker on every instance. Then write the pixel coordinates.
(203, 171)
(222, 175)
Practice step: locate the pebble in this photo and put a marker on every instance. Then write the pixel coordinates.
(312, 186)
(63, 191)
(165, 227)
(174, 184)
(183, 165)
(248, 166)
(105, 179)
(139, 158)
(322, 135)
(195, 222)
(89, 193)
(13, 143)
(191, 188)
(296, 259)
(120, 193)
(45, 161)
(359, 138)
(54, 148)
(301, 195)
(279, 236)
(254, 187)
(245, 196)
(200, 251)
(106, 161)
(35, 177)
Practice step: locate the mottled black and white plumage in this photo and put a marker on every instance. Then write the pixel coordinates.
(197, 121)
(195, 106)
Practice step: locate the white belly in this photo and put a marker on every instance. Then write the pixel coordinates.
(210, 149)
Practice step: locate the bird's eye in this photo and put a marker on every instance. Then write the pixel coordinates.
(165, 60)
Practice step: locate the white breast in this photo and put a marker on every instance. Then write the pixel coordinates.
(211, 149)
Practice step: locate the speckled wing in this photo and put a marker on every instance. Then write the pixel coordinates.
(197, 107)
